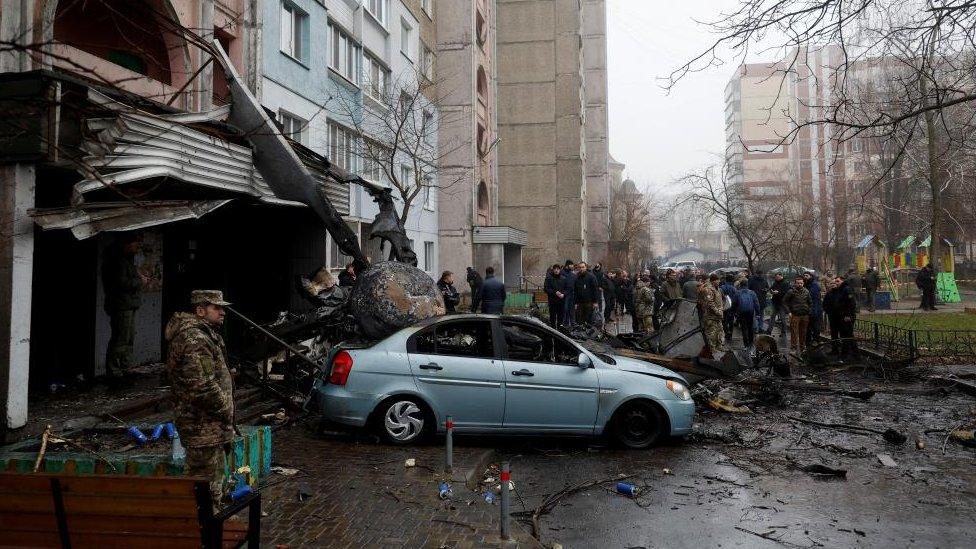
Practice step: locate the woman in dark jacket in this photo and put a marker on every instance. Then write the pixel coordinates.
(449, 292)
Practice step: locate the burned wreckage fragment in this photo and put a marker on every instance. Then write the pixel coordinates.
(388, 295)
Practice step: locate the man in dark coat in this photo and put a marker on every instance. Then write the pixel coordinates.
(569, 291)
(871, 283)
(492, 294)
(609, 287)
(449, 292)
(926, 283)
(475, 283)
(780, 313)
(554, 293)
(816, 308)
(759, 285)
(841, 309)
(587, 294)
(729, 315)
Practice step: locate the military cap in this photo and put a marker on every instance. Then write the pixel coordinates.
(204, 297)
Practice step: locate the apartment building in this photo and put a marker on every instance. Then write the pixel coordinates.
(773, 151)
(333, 73)
(548, 116)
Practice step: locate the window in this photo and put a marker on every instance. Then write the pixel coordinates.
(532, 344)
(293, 23)
(428, 193)
(426, 62)
(469, 338)
(377, 8)
(342, 147)
(337, 259)
(375, 78)
(428, 256)
(293, 127)
(856, 145)
(406, 176)
(405, 39)
(344, 58)
(428, 130)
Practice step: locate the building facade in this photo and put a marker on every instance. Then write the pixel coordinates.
(333, 72)
(544, 102)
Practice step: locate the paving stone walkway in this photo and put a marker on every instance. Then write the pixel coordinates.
(360, 494)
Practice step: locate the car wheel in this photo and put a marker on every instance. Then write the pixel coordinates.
(638, 425)
(403, 421)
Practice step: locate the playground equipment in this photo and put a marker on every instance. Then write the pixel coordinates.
(871, 251)
(945, 282)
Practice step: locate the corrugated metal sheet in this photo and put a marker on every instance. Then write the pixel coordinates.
(499, 235)
(134, 147)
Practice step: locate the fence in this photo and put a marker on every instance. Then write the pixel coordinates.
(908, 345)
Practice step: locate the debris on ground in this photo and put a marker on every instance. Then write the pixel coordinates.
(821, 470)
(286, 471)
(887, 460)
(966, 437)
(722, 405)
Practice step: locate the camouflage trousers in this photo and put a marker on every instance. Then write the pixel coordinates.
(714, 334)
(647, 323)
(118, 356)
(208, 462)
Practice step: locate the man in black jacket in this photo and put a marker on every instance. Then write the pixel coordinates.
(780, 314)
(569, 293)
(554, 292)
(926, 283)
(609, 287)
(760, 285)
(449, 292)
(475, 283)
(492, 294)
(587, 294)
(841, 308)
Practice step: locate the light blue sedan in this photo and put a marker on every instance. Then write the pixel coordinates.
(500, 374)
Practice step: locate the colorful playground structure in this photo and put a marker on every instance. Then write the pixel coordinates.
(898, 267)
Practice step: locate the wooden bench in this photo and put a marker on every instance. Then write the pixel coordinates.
(111, 511)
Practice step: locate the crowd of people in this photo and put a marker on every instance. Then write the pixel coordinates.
(578, 294)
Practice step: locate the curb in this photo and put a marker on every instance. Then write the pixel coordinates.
(473, 475)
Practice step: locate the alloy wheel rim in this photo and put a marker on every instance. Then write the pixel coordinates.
(404, 420)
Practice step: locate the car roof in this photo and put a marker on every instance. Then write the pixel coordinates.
(475, 316)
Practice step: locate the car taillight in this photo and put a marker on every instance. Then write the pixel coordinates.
(341, 366)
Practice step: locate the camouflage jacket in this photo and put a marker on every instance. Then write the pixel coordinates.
(644, 300)
(199, 381)
(710, 301)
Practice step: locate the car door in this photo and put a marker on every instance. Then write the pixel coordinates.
(456, 366)
(545, 389)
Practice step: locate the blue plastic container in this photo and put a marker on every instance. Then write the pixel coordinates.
(627, 489)
(157, 432)
(138, 435)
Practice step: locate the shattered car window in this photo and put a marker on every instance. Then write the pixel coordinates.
(457, 339)
(532, 344)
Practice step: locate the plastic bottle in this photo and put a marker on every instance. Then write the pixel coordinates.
(157, 432)
(445, 490)
(179, 453)
(138, 435)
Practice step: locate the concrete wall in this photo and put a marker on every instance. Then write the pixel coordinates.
(542, 152)
(596, 129)
(463, 168)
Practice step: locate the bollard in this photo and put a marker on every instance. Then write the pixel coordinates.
(449, 460)
(506, 478)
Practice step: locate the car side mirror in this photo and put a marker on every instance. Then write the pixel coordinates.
(584, 361)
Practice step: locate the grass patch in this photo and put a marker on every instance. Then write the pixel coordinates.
(925, 321)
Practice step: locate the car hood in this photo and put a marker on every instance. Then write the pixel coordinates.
(647, 368)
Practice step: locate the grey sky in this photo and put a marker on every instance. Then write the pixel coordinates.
(661, 135)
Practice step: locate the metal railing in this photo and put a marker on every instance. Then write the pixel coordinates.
(900, 344)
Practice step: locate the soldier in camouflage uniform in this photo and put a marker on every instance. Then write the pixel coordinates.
(711, 305)
(644, 304)
(201, 386)
(122, 283)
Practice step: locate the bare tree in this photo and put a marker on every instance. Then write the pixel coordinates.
(753, 224)
(398, 138)
(929, 42)
(631, 213)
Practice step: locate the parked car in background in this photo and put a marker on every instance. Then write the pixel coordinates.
(723, 271)
(789, 271)
(500, 374)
